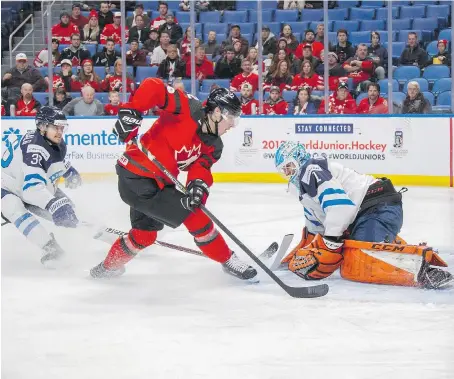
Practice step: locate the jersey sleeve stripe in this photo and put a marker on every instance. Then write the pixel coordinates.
(30, 227)
(34, 176)
(316, 223)
(307, 211)
(28, 185)
(21, 219)
(330, 203)
(329, 191)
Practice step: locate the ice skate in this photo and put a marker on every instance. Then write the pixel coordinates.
(435, 278)
(240, 269)
(52, 254)
(101, 272)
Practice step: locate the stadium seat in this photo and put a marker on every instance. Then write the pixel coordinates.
(44, 71)
(405, 73)
(220, 29)
(198, 28)
(445, 34)
(246, 27)
(234, 16)
(276, 28)
(439, 11)
(289, 96)
(398, 47)
(441, 85)
(312, 15)
(369, 25)
(382, 13)
(269, 4)
(361, 96)
(267, 15)
(246, 5)
(100, 71)
(91, 48)
(42, 97)
(373, 4)
(384, 35)
(429, 96)
(403, 35)
(398, 97)
(435, 72)
(248, 37)
(103, 97)
(313, 25)
(350, 26)
(383, 83)
(202, 96)
(338, 14)
(423, 84)
(359, 37)
(300, 26)
(432, 48)
(184, 17)
(207, 83)
(213, 17)
(299, 36)
(144, 72)
(425, 24)
(362, 14)
(75, 94)
(285, 15)
(402, 24)
(348, 4)
(444, 98)
(62, 47)
(332, 38)
(412, 11)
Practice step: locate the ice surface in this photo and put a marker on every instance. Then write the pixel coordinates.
(174, 315)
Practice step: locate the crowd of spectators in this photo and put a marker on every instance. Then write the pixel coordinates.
(290, 63)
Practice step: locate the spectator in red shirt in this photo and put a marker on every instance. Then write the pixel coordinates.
(76, 18)
(161, 19)
(336, 72)
(292, 42)
(112, 108)
(113, 31)
(339, 102)
(27, 105)
(247, 76)
(135, 56)
(87, 77)
(360, 68)
(63, 79)
(64, 29)
(373, 103)
(280, 77)
(275, 104)
(307, 77)
(113, 82)
(203, 67)
(309, 39)
(249, 105)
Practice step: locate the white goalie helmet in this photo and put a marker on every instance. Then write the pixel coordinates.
(290, 157)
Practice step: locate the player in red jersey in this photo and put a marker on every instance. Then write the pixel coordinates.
(186, 137)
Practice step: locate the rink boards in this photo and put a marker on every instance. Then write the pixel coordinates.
(410, 150)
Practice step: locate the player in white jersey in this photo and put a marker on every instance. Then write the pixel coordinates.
(31, 168)
(341, 207)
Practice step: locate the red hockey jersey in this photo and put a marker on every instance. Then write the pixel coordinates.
(238, 80)
(367, 67)
(114, 32)
(78, 85)
(380, 106)
(205, 69)
(299, 82)
(317, 48)
(249, 107)
(280, 107)
(336, 106)
(30, 109)
(111, 110)
(63, 33)
(175, 138)
(114, 83)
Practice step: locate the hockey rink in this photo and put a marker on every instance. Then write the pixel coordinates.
(174, 315)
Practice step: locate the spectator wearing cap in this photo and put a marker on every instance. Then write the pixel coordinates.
(415, 102)
(86, 105)
(135, 56)
(161, 19)
(91, 31)
(339, 102)
(269, 43)
(160, 52)
(113, 31)
(443, 56)
(41, 59)
(87, 77)
(249, 105)
(247, 76)
(172, 66)
(75, 52)
(287, 33)
(413, 54)
(203, 67)
(175, 31)
(307, 56)
(307, 78)
(235, 35)
(64, 29)
(343, 49)
(309, 39)
(152, 42)
(279, 77)
(275, 104)
(303, 102)
(228, 66)
(105, 15)
(108, 56)
(212, 46)
(139, 31)
(336, 72)
(76, 18)
(360, 67)
(373, 103)
(379, 55)
(138, 11)
(61, 98)
(63, 79)
(22, 73)
(26, 105)
(113, 81)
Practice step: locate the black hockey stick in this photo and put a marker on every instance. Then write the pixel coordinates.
(298, 292)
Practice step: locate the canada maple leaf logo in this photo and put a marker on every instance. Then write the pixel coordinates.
(185, 157)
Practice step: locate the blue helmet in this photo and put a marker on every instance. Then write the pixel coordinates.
(50, 115)
(289, 159)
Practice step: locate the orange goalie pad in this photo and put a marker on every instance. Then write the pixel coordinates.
(386, 263)
(306, 239)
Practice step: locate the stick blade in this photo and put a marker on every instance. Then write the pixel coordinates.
(307, 292)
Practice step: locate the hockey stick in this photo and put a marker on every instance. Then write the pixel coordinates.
(298, 292)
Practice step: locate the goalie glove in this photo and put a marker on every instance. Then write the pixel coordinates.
(128, 124)
(198, 192)
(318, 260)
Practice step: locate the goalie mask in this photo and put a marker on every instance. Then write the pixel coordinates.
(289, 158)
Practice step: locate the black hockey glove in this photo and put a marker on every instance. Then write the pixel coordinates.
(198, 192)
(128, 124)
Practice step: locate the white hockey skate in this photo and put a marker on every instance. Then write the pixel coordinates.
(101, 272)
(240, 269)
(53, 253)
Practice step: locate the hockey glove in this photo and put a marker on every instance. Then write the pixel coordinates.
(62, 212)
(128, 124)
(318, 260)
(198, 192)
(72, 178)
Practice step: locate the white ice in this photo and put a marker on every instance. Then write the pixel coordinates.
(174, 315)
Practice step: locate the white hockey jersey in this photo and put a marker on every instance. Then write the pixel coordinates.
(331, 195)
(31, 167)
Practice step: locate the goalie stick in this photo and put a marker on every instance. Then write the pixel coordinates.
(298, 292)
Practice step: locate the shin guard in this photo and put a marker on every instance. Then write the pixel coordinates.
(207, 237)
(126, 247)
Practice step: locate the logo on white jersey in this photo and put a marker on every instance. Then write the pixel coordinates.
(38, 149)
(185, 157)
